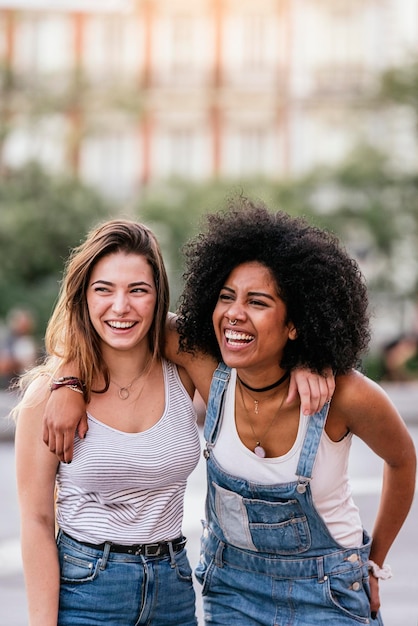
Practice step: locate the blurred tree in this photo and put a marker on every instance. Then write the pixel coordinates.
(399, 85)
(374, 211)
(41, 218)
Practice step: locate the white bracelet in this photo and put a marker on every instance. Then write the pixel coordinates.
(384, 572)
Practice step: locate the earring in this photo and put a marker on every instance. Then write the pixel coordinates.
(232, 322)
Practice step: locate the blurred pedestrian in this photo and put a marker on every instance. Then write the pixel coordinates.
(399, 359)
(19, 350)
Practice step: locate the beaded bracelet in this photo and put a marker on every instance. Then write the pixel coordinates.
(72, 382)
(384, 572)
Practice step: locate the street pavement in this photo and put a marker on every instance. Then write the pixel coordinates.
(399, 595)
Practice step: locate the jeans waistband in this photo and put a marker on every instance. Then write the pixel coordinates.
(161, 548)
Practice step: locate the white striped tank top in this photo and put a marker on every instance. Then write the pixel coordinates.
(129, 487)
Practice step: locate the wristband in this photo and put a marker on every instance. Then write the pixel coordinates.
(384, 572)
(72, 382)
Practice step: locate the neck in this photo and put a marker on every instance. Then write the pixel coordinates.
(123, 366)
(273, 385)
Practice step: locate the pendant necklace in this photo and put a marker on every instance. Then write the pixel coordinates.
(124, 392)
(258, 448)
(261, 389)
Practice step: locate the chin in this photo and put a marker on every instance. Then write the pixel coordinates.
(232, 359)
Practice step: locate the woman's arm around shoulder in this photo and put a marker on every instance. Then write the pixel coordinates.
(64, 415)
(363, 407)
(199, 367)
(36, 468)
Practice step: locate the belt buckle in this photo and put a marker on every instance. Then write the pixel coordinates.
(152, 549)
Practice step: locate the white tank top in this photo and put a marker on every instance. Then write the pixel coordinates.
(129, 487)
(331, 490)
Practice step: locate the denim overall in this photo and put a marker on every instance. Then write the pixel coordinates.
(267, 557)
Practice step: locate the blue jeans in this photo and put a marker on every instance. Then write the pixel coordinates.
(100, 587)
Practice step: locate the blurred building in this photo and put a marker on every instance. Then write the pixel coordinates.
(128, 92)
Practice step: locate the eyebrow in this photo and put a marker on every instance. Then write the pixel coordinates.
(252, 293)
(110, 284)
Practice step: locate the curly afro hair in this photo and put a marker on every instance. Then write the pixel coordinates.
(322, 287)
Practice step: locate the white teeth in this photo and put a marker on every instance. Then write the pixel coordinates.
(121, 324)
(233, 335)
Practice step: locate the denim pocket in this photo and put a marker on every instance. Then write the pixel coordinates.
(77, 569)
(347, 590)
(277, 527)
(183, 568)
(203, 572)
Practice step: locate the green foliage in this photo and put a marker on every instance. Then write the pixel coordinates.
(400, 85)
(41, 218)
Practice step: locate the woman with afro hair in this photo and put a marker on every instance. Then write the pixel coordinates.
(283, 542)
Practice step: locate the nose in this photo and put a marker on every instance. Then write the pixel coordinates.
(235, 312)
(120, 305)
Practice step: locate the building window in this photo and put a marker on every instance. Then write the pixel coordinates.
(110, 161)
(113, 47)
(181, 43)
(43, 141)
(253, 49)
(182, 152)
(43, 45)
(251, 151)
(254, 40)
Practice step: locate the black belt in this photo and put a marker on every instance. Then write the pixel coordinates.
(146, 549)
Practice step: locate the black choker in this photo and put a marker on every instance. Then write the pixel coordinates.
(261, 389)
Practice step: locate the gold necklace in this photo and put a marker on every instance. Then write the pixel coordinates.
(274, 386)
(123, 392)
(258, 448)
(256, 402)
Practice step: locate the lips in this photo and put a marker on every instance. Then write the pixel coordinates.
(236, 338)
(121, 325)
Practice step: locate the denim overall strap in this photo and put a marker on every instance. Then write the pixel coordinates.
(310, 447)
(218, 386)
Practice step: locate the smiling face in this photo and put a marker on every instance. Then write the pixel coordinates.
(256, 341)
(121, 299)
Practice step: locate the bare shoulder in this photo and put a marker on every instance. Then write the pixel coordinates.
(35, 397)
(29, 426)
(356, 392)
(361, 406)
(198, 366)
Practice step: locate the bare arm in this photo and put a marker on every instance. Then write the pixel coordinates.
(369, 413)
(200, 367)
(65, 414)
(35, 469)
